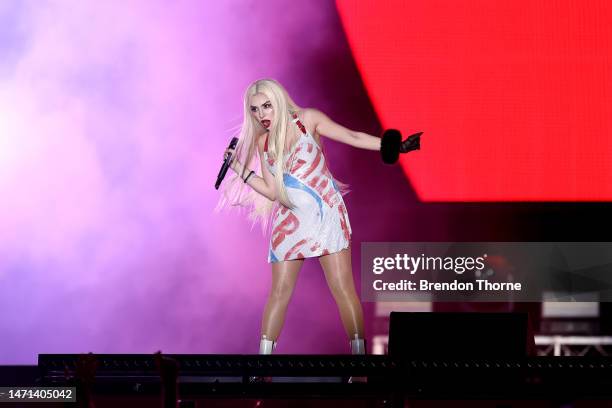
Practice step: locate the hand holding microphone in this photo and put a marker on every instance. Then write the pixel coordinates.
(229, 152)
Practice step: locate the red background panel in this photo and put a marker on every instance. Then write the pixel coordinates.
(513, 96)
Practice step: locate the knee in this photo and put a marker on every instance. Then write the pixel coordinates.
(280, 294)
(343, 291)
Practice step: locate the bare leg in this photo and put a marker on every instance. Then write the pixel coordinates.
(284, 276)
(339, 276)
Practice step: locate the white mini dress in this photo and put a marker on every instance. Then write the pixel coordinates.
(318, 224)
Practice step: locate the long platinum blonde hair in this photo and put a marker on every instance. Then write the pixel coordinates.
(234, 191)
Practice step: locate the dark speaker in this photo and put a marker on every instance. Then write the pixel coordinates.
(458, 335)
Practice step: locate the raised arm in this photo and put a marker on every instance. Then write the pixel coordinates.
(327, 127)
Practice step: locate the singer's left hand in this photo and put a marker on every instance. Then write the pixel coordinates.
(412, 142)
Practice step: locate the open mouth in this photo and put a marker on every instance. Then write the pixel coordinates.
(265, 123)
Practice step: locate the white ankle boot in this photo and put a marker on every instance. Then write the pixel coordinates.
(357, 345)
(266, 346)
(358, 348)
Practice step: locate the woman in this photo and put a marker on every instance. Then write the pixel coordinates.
(298, 194)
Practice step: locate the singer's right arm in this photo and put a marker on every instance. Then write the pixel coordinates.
(263, 185)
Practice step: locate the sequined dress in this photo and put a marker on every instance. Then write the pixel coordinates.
(318, 224)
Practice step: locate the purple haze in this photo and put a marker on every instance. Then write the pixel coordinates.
(113, 119)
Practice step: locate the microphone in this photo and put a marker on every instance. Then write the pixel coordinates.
(226, 163)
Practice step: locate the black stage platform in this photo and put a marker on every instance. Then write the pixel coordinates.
(317, 380)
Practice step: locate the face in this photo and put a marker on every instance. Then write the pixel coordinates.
(262, 110)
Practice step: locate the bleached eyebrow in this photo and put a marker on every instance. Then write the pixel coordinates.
(266, 102)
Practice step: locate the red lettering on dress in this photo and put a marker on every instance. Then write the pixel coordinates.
(291, 158)
(343, 223)
(313, 182)
(314, 165)
(287, 227)
(329, 196)
(333, 200)
(295, 248)
(320, 188)
(298, 165)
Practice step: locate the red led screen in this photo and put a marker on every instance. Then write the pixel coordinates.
(514, 96)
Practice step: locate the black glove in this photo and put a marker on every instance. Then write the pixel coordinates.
(391, 145)
(412, 142)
